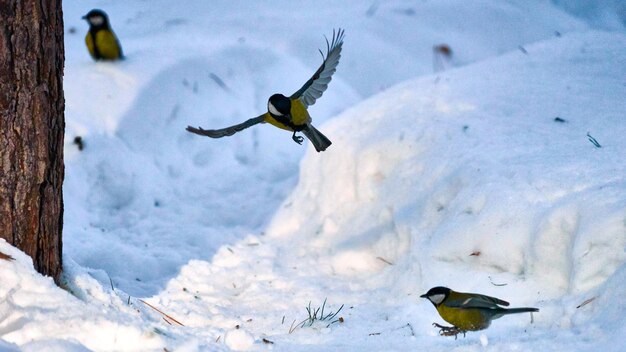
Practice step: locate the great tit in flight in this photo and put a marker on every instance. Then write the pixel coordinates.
(467, 311)
(290, 113)
(101, 41)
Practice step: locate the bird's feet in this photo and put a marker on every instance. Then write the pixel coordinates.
(297, 139)
(449, 330)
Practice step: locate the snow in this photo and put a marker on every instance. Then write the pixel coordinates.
(463, 178)
(238, 339)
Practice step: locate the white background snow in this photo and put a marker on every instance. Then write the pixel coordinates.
(460, 177)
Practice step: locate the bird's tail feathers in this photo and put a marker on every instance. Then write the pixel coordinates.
(320, 142)
(519, 310)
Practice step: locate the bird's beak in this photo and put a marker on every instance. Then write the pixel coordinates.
(84, 17)
(424, 296)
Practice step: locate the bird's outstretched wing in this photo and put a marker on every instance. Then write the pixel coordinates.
(316, 85)
(477, 301)
(228, 131)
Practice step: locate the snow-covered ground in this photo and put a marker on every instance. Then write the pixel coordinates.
(481, 176)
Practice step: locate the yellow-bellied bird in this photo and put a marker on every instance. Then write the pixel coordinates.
(467, 311)
(101, 41)
(290, 113)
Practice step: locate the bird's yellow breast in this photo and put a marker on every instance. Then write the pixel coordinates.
(299, 116)
(464, 319)
(105, 43)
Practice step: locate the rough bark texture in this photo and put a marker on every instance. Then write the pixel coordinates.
(31, 129)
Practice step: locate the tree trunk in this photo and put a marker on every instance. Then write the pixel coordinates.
(31, 129)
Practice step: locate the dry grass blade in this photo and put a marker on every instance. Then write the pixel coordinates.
(166, 316)
(293, 327)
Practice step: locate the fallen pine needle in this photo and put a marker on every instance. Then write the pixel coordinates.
(587, 301)
(6, 256)
(493, 283)
(165, 315)
(593, 141)
(384, 260)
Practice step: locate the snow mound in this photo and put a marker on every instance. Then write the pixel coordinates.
(480, 176)
(35, 313)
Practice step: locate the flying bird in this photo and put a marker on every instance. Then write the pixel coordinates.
(290, 113)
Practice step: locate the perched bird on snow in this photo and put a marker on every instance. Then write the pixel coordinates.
(467, 311)
(290, 113)
(101, 41)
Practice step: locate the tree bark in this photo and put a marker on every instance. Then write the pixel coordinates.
(31, 129)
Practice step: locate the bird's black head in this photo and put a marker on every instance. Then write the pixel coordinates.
(97, 19)
(436, 295)
(279, 105)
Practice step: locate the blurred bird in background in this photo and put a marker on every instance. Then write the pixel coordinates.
(290, 113)
(101, 41)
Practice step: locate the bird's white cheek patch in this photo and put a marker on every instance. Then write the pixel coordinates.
(436, 299)
(273, 110)
(96, 21)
